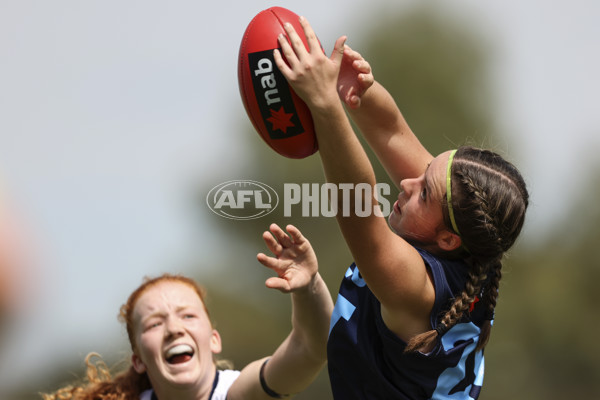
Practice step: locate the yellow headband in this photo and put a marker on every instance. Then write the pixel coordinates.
(449, 192)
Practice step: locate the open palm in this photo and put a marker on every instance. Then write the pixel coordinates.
(294, 259)
(354, 78)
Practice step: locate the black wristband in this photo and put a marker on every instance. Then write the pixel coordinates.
(264, 386)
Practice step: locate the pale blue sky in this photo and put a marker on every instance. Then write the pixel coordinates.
(111, 111)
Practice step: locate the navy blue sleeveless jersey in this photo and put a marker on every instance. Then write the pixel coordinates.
(366, 359)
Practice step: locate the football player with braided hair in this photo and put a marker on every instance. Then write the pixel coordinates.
(415, 310)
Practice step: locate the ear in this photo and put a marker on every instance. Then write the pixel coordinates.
(448, 241)
(138, 364)
(215, 342)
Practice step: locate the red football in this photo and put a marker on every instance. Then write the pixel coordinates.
(281, 118)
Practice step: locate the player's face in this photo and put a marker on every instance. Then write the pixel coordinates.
(175, 341)
(417, 214)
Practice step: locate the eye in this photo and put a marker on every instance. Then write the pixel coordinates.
(424, 194)
(152, 325)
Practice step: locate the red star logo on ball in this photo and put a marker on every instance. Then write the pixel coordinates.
(280, 120)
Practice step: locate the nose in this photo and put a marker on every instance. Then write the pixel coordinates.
(173, 327)
(407, 184)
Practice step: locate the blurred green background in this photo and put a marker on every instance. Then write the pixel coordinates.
(440, 69)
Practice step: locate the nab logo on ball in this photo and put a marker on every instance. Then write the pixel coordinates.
(244, 199)
(273, 96)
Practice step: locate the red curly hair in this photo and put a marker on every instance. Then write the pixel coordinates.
(129, 384)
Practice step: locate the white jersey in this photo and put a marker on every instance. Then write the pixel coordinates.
(224, 381)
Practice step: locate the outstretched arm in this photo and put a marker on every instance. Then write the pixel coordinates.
(379, 119)
(302, 355)
(392, 268)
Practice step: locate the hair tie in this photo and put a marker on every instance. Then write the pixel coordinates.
(441, 329)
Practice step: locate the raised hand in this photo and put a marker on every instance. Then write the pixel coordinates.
(354, 79)
(294, 259)
(312, 74)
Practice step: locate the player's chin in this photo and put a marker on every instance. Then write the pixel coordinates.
(393, 223)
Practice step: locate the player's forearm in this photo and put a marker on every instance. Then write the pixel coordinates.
(302, 355)
(311, 313)
(378, 114)
(343, 157)
(389, 135)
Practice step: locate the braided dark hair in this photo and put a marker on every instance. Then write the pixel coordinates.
(489, 200)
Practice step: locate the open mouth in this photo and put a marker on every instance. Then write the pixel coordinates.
(179, 354)
(397, 207)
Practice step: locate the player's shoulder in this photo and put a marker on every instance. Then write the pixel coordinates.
(225, 380)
